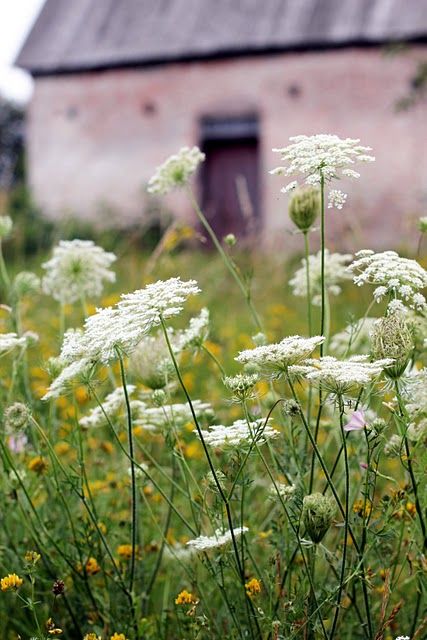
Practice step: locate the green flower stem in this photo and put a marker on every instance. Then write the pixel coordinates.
(307, 275)
(404, 418)
(3, 270)
(134, 506)
(214, 474)
(322, 261)
(228, 263)
(346, 519)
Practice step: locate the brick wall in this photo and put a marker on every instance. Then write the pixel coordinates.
(95, 138)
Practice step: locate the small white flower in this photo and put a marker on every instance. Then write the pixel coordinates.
(337, 199)
(322, 155)
(239, 433)
(169, 414)
(176, 170)
(341, 376)
(9, 341)
(335, 273)
(196, 333)
(354, 338)
(278, 357)
(399, 278)
(219, 539)
(285, 491)
(78, 268)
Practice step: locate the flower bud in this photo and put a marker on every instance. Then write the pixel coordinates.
(318, 512)
(16, 417)
(230, 240)
(392, 338)
(259, 339)
(6, 225)
(159, 397)
(304, 207)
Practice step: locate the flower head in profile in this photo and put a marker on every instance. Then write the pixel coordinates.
(278, 357)
(119, 328)
(321, 156)
(218, 540)
(401, 279)
(342, 376)
(176, 170)
(78, 268)
(335, 273)
(112, 404)
(239, 433)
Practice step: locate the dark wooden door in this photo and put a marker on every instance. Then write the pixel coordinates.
(230, 189)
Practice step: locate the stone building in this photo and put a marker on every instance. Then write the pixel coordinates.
(122, 84)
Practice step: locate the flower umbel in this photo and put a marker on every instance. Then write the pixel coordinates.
(176, 170)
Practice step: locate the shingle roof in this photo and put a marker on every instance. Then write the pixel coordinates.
(88, 34)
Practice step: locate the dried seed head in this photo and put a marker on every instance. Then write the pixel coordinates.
(318, 512)
(392, 338)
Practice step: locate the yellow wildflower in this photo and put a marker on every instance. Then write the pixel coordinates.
(92, 566)
(92, 636)
(362, 509)
(52, 629)
(125, 550)
(118, 636)
(253, 587)
(411, 508)
(32, 557)
(185, 597)
(38, 465)
(11, 582)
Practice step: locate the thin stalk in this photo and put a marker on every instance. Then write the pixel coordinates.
(228, 263)
(322, 259)
(307, 277)
(346, 523)
(134, 522)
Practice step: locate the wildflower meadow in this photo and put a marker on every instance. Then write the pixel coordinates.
(229, 456)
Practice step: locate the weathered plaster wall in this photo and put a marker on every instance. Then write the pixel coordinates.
(95, 138)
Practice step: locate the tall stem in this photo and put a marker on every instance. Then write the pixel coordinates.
(228, 263)
(307, 277)
(134, 523)
(346, 523)
(322, 262)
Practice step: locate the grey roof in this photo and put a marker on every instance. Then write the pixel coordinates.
(88, 34)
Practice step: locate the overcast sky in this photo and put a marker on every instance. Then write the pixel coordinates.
(16, 19)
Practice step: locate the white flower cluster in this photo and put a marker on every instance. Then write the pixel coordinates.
(279, 356)
(340, 376)
(176, 170)
(9, 341)
(78, 268)
(335, 272)
(219, 539)
(336, 199)
(196, 333)
(120, 327)
(111, 405)
(321, 155)
(285, 491)
(399, 278)
(177, 414)
(238, 433)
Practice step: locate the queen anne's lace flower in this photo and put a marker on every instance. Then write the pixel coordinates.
(278, 357)
(176, 170)
(219, 539)
(336, 199)
(285, 491)
(111, 405)
(239, 433)
(341, 376)
(169, 414)
(399, 278)
(196, 333)
(78, 268)
(121, 327)
(9, 341)
(335, 273)
(320, 155)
